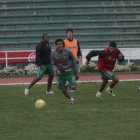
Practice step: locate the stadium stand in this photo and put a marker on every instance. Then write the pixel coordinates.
(95, 23)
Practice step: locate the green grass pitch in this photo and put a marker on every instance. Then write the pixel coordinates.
(88, 119)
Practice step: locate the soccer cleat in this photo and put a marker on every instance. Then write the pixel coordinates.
(26, 92)
(110, 93)
(72, 101)
(49, 92)
(99, 97)
(70, 90)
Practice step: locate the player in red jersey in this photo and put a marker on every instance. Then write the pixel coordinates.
(106, 62)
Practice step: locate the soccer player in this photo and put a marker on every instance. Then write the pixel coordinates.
(106, 62)
(43, 61)
(71, 43)
(61, 60)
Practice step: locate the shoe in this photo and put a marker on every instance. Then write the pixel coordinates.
(99, 97)
(110, 93)
(67, 84)
(70, 90)
(49, 92)
(72, 101)
(26, 92)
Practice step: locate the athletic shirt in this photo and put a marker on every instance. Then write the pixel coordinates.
(107, 63)
(73, 46)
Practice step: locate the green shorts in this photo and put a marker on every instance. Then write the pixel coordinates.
(108, 75)
(46, 70)
(65, 76)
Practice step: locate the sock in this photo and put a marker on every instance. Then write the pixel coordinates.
(109, 88)
(67, 83)
(99, 93)
(72, 99)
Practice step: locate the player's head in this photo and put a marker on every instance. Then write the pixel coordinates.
(69, 33)
(45, 37)
(59, 44)
(112, 46)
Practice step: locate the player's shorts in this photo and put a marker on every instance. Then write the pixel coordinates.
(46, 70)
(107, 75)
(65, 76)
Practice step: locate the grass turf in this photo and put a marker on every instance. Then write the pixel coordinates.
(88, 119)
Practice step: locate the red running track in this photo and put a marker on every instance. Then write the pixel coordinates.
(20, 81)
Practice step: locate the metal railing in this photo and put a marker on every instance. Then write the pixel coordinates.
(10, 56)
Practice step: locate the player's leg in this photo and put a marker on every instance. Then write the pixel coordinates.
(78, 72)
(50, 79)
(115, 80)
(102, 87)
(69, 76)
(77, 76)
(34, 81)
(72, 80)
(40, 74)
(65, 92)
(61, 81)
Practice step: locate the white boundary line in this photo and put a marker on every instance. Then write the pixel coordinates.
(39, 83)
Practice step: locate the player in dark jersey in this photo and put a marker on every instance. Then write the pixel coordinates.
(43, 61)
(106, 62)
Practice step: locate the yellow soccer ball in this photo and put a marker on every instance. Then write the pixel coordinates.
(40, 103)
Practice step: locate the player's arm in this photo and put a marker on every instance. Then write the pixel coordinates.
(50, 51)
(73, 61)
(100, 53)
(79, 54)
(38, 55)
(120, 56)
(53, 63)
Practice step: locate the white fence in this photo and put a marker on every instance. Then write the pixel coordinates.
(29, 56)
(129, 54)
(17, 56)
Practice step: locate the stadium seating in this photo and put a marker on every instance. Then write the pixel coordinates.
(95, 23)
